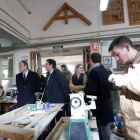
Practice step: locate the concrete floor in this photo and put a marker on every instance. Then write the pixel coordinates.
(114, 137)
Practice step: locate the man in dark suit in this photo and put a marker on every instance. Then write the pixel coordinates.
(27, 84)
(56, 89)
(42, 79)
(98, 85)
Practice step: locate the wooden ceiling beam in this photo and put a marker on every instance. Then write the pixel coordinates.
(69, 16)
(66, 7)
(55, 16)
(66, 16)
(78, 14)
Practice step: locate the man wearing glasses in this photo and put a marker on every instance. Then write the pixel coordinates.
(123, 51)
(28, 83)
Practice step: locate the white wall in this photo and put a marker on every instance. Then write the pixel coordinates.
(17, 58)
(43, 11)
(17, 12)
(4, 42)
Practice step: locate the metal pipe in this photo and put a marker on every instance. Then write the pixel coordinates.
(24, 6)
(66, 41)
(98, 32)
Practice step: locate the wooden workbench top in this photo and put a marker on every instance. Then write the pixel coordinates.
(42, 124)
(9, 101)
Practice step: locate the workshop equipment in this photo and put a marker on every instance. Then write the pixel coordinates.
(14, 92)
(78, 129)
(23, 123)
(34, 125)
(46, 105)
(16, 121)
(19, 109)
(33, 107)
(39, 105)
(37, 94)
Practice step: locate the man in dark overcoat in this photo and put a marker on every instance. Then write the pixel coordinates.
(27, 84)
(98, 85)
(56, 89)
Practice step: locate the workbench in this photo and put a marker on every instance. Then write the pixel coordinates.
(60, 131)
(42, 124)
(7, 104)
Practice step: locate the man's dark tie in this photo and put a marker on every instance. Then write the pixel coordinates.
(48, 79)
(24, 76)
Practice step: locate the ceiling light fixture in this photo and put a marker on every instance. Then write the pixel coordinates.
(103, 5)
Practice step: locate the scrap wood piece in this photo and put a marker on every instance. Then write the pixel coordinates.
(21, 108)
(16, 133)
(65, 7)
(15, 122)
(33, 112)
(35, 121)
(60, 122)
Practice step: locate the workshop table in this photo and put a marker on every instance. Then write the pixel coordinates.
(42, 124)
(7, 104)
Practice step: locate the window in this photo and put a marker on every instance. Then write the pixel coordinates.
(6, 76)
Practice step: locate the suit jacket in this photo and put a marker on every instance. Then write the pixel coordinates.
(57, 89)
(98, 85)
(42, 82)
(27, 88)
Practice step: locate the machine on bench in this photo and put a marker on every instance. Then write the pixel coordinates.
(79, 129)
(12, 94)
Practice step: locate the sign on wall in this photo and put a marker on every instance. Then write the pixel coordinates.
(94, 47)
(24, 58)
(107, 61)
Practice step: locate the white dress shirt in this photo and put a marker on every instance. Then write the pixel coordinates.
(26, 74)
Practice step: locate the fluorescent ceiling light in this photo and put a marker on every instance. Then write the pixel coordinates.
(103, 5)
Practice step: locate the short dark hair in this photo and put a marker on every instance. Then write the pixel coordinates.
(96, 57)
(65, 67)
(51, 61)
(39, 69)
(120, 42)
(24, 63)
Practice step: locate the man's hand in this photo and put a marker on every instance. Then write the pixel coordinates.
(116, 79)
(111, 78)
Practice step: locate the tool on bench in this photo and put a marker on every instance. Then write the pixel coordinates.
(34, 125)
(79, 129)
(37, 94)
